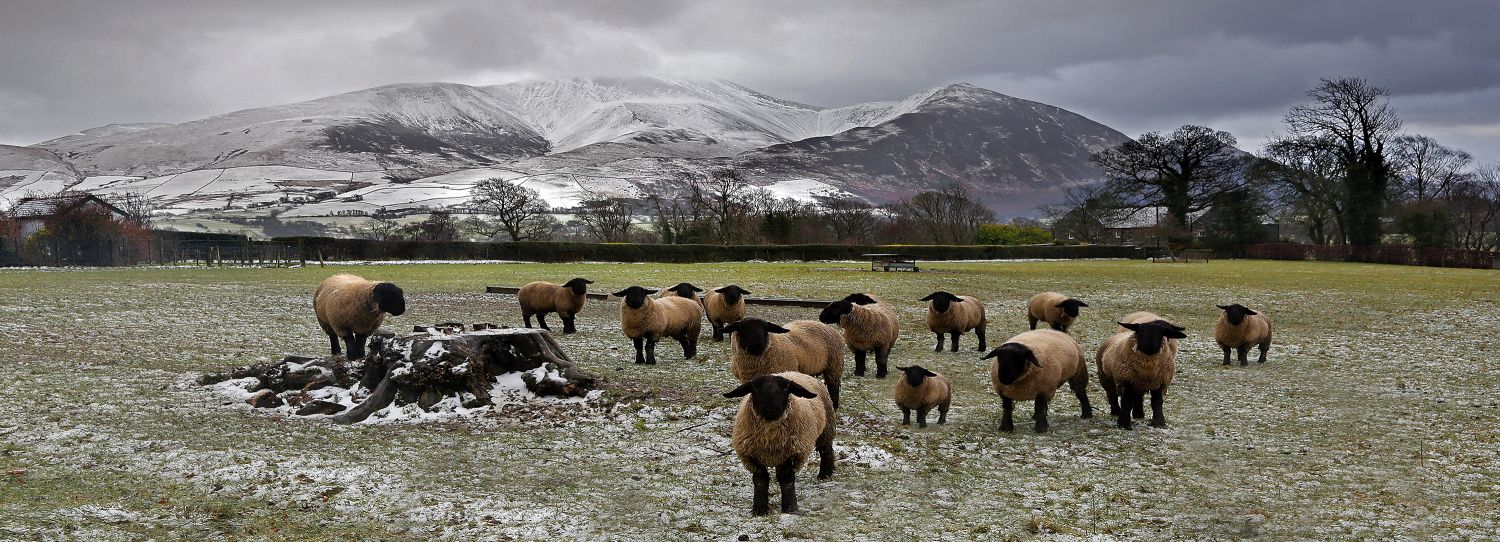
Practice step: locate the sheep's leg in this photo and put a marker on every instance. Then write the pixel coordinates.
(939, 347)
(1032, 319)
(640, 356)
(833, 389)
(526, 317)
(718, 331)
(955, 341)
(541, 320)
(651, 351)
(1244, 353)
(1226, 352)
(943, 411)
(1040, 414)
(786, 477)
(762, 479)
(358, 350)
(1007, 406)
(334, 340)
(1138, 410)
(1264, 347)
(1158, 418)
(825, 460)
(881, 357)
(1127, 395)
(905, 416)
(1080, 385)
(1060, 327)
(979, 332)
(689, 346)
(859, 363)
(922, 417)
(567, 323)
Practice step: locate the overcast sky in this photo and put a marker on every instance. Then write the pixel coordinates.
(1137, 66)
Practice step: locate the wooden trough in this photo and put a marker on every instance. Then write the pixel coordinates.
(749, 300)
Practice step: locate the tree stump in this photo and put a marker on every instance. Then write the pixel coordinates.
(427, 366)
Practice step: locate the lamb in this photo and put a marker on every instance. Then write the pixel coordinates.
(922, 390)
(1239, 328)
(724, 305)
(566, 300)
(761, 348)
(351, 308)
(1136, 361)
(953, 314)
(1057, 310)
(1031, 367)
(647, 320)
(784, 418)
(682, 289)
(869, 325)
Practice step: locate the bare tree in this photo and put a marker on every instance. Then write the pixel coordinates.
(949, 216)
(1355, 119)
(138, 208)
(1306, 177)
(852, 220)
(517, 211)
(1426, 170)
(607, 220)
(377, 229)
(1184, 171)
(721, 198)
(1086, 212)
(1475, 206)
(674, 212)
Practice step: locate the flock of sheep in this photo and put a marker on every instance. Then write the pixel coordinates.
(786, 412)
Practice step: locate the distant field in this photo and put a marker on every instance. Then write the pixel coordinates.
(1377, 417)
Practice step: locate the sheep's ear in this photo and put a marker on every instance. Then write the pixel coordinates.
(928, 372)
(732, 327)
(1079, 302)
(620, 293)
(797, 389)
(1031, 357)
(1175, 333)
(1130, 326)
(773, 328)
(1222, 307)
(929, 297)
(993, 353)
(695, 288)
(650, 291)
(742, 290)
(1250, 312)
(902, 369)
(741, 391)
(586, 281)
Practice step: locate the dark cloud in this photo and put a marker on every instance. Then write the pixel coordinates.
(1137, 66)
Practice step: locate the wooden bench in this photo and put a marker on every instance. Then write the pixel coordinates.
(887, 262)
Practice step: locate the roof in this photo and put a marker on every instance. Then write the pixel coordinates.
(45, 206)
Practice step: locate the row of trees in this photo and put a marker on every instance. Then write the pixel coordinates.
(718, 208)
(1343, 170)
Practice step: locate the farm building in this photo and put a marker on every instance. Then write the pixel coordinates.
(32, 213)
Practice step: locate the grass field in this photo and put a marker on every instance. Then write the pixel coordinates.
(1377, 417)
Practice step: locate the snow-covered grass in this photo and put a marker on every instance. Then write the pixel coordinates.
(1376, 417)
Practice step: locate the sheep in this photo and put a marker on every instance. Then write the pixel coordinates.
(1031, 367)
(723, 305)
(1136, 361)
(953, 314)
(785, 417)
(760, 348)
(922, 390)
(1057, 310)
(566, 300)
(1141, 317)
(1239, 328)
(351, 308)
(869, 325)
(682, 289)
(646, 320)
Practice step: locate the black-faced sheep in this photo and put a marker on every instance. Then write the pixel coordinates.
(761, 348)
(1136, 361)
(1057, 310)
(1240, 328)
(1031, 367)
(646, 320)
(724, 305)
(869, 326)
(922, 390)
(784, 418)
(351, 308)
(682, 289)
(566, 300)
(953, 314)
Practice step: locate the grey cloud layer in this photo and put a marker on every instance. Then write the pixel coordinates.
(66, 66)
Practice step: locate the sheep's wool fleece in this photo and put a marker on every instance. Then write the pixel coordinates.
(872, 327)
(1043, 306)
(1255, 329)
(719, 312)
(542, 296)
(810, 347)
(344, 303)
(1119, 362)
(807, 423)
(665, 317)
(933, 391)
(1061, 359)
(960, 317)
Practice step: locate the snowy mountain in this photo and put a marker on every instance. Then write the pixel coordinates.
(416, 146)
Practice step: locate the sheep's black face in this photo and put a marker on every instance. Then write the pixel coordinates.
(1070, 307)
(915, 375)
(770, 395)
(683, 289)
(860, 299)
(753, 334)
(635, 296)
(579, 286)
(940, 300)
(390, 299)
(1012, 360)
(732, 294)
(1236, 313)
(834, 311)
(1150, 336)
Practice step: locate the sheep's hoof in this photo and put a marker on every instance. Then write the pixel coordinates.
(1159, 423)
(922, 425)
(1244, 364)
(1041, 428)
(789, 509)
(760, 511)
(1124, 424)
(825, 476)
(1007, 428)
